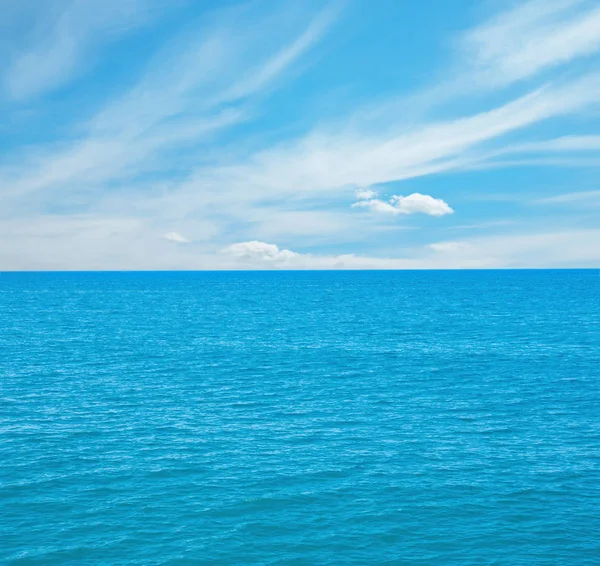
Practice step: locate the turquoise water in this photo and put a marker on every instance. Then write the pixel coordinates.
(300, 418)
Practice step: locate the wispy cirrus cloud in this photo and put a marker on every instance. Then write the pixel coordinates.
(61, 39)
(578, 198)
(324, 162)
(563, 144)
(196, 86)
(531, 38)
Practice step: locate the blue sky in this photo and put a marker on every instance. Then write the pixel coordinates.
(142, 134)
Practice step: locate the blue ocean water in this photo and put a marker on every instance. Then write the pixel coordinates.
(300, 418)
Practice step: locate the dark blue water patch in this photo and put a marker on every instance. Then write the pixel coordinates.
(439, 417)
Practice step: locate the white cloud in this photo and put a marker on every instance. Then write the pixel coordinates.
(564, 143)
(376, 205)
(263, 255)
(566, 248)
(411, 204)
(581, 198)
(61, 38)
(365, 194)
(420, 203)
(211, 78)
(175, 237)
(531, 38)
(548, 148)
(260, 251)
(273, 67)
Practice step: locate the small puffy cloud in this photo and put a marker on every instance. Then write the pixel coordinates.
(411, 204)
(175, 237)
(365, 194)
(260, 251)
(421, 203)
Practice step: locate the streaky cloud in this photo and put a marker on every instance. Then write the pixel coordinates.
(533, 37)
(62, 40)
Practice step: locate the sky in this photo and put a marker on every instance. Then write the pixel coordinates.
(263, 134)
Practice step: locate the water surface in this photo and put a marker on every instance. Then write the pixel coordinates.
(300, 418)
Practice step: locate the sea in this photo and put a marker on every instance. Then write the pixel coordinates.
(300, 418)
